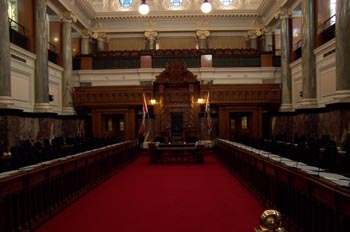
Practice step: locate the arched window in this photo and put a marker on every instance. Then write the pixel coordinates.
(125, 3)
(176, 3)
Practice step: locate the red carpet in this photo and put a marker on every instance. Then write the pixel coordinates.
(163, 198)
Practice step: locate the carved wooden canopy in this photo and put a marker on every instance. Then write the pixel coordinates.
(176, 90)
(176, 72)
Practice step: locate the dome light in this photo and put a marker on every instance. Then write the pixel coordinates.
(206, 7)
(143, 8)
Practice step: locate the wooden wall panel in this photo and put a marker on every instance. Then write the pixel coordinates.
(55, 39)
(76, 46)
(251, 99)
(26, 18)
(254, 120)
(129, 121)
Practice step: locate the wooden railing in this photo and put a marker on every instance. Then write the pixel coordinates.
(31, 195)
(308, 202)
(191, 58)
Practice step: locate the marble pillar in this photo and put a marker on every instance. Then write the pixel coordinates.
(5, 66)
(67, 79)
(85, 43)
(308, 58)
(100, 44)
(342, 43)
(268, 41)
(202, 39)
(253, 39)
(151, 37)
(286, 104)
(101, 40)
(41, 62)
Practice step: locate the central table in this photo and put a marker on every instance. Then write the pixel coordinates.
(190, 152)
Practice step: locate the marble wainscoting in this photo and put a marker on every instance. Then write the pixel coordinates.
(313, 124)
(38, 128)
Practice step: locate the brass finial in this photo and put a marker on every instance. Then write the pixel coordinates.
(270, 221)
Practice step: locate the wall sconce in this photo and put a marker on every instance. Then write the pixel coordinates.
(206, 7)
(200, 100)
(153, 101)
(143, 8)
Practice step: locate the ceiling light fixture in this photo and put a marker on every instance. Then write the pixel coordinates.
(143, 8)
(206, 7)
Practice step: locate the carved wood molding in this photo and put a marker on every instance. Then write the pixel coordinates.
(243, 93)
(176, 72)
(111, 95)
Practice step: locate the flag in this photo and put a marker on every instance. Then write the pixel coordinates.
(207, 116)
(143, 129)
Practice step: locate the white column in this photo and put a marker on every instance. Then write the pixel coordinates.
(151, 39)
(101, 41)
(202, 39)
(85, 43)
(268, 40)
(253, 39)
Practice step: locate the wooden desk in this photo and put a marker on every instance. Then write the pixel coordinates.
(163, 153)
(5, 163)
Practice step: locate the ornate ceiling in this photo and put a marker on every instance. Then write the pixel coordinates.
(110, 17)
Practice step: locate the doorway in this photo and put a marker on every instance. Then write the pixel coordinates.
(240, 124)
(114, 126)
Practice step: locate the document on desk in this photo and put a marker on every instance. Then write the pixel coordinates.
(336, 178)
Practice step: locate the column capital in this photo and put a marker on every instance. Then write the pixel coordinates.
(283, 13)
(86, 33)
(68, 17)
(253, 34)
(267, 30)
(99, 35)
(151, 34)
(202, 34)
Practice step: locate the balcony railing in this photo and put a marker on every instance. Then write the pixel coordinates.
(297, 50)
(52, 53)
(328, 32)
(191, 58)
(17, 34)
